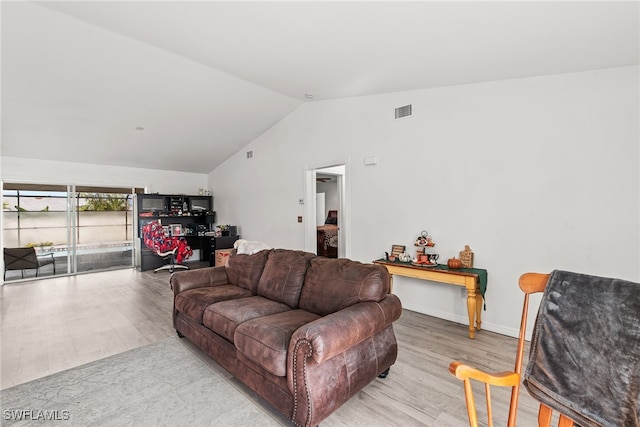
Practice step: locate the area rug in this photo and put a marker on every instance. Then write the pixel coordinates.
(162, 384)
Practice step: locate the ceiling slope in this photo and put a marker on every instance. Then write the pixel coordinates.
(75, 92)
(204, 78)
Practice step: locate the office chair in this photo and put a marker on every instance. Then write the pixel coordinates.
(174, 249)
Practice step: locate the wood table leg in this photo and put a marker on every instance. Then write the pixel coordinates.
(479, 304)
(468, 280)
(471, 306)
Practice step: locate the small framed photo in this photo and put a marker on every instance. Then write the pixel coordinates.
(176, 230)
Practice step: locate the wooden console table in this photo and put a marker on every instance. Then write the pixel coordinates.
(467, 277)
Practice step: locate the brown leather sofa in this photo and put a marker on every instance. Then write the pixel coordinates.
(304, 332)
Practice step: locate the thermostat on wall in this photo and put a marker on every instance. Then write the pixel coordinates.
(370, 160)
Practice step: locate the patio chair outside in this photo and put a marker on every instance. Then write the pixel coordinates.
(26, 259)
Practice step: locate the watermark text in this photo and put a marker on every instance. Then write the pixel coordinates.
(36, 415)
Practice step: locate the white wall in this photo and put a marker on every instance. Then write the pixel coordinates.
(320, 208)
(534, 174)
(52, 172)
(331, 199)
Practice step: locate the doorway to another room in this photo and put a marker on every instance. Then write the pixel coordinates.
(327, 211)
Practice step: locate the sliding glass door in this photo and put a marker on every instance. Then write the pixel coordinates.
(103, 220)
(34, 217)
(83, 228)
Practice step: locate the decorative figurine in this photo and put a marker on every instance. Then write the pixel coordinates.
(466, 256)
(404, 257)
(424, 239)
(454, 263)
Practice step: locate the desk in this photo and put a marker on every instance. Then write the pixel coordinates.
(443, 275)
(207, 245)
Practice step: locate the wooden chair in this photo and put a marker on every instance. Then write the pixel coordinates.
(529, 283)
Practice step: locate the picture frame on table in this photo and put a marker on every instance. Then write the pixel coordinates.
(397, 250)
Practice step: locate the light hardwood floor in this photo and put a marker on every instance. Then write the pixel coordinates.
(56, 324)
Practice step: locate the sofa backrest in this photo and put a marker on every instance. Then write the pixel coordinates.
(245, 270)
(284, 275)
(333, 284)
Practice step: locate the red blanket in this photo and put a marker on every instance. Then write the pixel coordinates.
(154, 238)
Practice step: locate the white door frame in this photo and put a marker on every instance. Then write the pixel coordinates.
(344, 213)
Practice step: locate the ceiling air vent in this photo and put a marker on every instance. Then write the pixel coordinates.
(403, 111)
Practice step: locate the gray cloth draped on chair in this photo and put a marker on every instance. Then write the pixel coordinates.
(585, 351)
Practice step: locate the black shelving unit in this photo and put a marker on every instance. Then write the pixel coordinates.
(195, 216)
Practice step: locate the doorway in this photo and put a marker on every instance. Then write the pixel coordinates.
(327, 211)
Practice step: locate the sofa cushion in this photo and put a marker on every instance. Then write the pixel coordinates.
(283, 276)
(224, 317)
(265, 340)
(333, 284)
(193, 302)
(245, 270)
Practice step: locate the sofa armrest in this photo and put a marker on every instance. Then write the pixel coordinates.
(200, 278)
(318, 375)
(333, 334)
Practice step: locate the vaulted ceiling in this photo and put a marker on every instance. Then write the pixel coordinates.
(182, 85)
